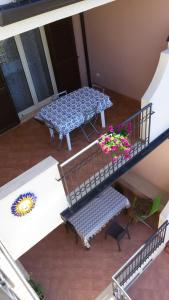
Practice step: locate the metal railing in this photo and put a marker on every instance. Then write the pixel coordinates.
(19, 3)
(118, 291)
(139, 261)
(90, 167)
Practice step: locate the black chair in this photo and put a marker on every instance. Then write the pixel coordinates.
(117, 232)
(90, 118)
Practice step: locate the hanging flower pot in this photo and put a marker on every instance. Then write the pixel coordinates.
(116, 142)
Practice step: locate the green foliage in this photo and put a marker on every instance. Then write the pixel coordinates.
(37, 288)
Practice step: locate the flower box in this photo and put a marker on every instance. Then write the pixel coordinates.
(116, 141)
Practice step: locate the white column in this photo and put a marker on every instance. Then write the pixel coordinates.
(48, 58)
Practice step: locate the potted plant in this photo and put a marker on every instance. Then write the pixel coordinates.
(116, 142)
(37, 287)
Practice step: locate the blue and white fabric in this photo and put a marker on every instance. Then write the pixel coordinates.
(68, 112)
(96, 214)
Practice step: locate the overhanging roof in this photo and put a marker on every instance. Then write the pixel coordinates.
(49, 17)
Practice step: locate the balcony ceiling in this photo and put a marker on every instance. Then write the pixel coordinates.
(49, 17)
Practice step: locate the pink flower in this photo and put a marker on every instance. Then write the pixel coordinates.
(127, 156)
(106, 151)
(107, 139)
(123, 139)
(126, 143)
(114, 148)
(114, 158)
(126, 151)
(111, 129)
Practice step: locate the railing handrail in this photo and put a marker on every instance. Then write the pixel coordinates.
(78, 154)
(96, 141)
(137, 113)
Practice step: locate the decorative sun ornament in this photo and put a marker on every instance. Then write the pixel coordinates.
(23, 204)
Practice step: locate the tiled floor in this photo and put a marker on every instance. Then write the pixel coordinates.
(153, 284)
(69, 272)
(24, 146)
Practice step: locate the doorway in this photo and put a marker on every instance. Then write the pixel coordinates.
(26, 72)
(38, 63)
(62, 47)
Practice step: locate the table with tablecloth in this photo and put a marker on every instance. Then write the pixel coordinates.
(91, 218)
(68, 112)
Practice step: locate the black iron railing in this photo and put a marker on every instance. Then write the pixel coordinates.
(126, 273)
(16, 10)
(19, 3)
(90, 168)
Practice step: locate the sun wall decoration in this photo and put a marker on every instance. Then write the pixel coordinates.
(23, 204)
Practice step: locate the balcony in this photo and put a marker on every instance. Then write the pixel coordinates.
(90, 170)
(16, 10)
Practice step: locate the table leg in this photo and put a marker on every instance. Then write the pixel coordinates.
(52, 135)
(86, 243)
(68, 142)
(103, 119)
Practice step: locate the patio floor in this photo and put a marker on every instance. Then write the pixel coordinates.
(27, 144)
(70, 272)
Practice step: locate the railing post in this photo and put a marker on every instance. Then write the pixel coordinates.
(149, 125)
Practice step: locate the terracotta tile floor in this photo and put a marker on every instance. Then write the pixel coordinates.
(69, 272)
(27, 144)
(153, 284)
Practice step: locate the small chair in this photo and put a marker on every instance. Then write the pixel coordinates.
(155, 207)
(98, 87)
(90, 117)
(117, 232)
(58, 95)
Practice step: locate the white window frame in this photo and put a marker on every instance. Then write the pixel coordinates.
(36, 104)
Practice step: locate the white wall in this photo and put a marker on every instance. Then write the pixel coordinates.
(19, 234)
(158, 94)
(154, 168)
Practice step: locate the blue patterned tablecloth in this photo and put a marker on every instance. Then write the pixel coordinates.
(67, 113)
(96, 214)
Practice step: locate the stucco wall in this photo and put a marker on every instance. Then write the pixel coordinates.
(28, 230)
(125, 39)
(155, 167)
